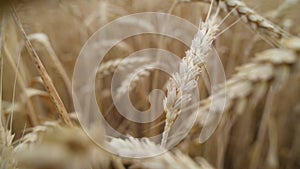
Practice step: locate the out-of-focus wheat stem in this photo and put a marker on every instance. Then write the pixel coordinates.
(1, 61)
(42, 71)
(32, 114)
(6, 157)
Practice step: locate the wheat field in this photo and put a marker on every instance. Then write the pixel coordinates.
(232, 102)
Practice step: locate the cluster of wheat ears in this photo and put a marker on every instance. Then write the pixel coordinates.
(258, 126)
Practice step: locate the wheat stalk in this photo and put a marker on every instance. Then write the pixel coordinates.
(41, 69)
(32, 114)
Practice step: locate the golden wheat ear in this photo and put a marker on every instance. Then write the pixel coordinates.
(269, 32)
(270, 70)
(42, 71)
(69, 147)
(167, 160)
(55, 65)
(184, 82)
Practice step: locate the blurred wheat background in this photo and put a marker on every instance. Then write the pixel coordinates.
(41, 40)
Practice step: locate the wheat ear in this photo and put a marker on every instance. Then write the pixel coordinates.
(109, 67)
(270, 31)
(42, 71)
(180, 86)
(250, 84)
(57, 65)
(256, 21)
(144, 147)
(65, 144)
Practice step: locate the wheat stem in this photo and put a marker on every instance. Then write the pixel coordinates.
(1, 62)
(32, 114)
(42, 71)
